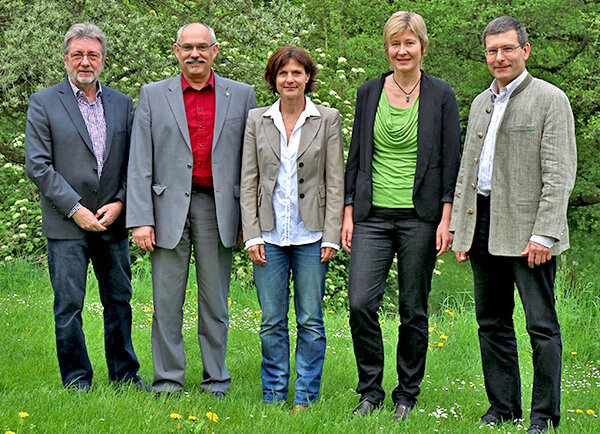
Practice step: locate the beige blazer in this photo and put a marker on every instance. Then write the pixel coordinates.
(320, 166)
(535, 162)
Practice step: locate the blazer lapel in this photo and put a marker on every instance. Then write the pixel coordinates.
(273, 135)
(222, 99)
(109, 116)
(309, 131)
(175, 100)
(68, 100)
(369, 121)
(424, 122)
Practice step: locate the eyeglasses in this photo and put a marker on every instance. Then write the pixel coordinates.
(78, 57)
(507, 50)
(200, 47)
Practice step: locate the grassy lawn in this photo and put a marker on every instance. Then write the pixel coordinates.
(452, 397)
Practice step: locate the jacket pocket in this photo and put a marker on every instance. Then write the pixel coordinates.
(322, 198)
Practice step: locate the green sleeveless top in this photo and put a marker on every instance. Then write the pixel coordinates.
(394, 154)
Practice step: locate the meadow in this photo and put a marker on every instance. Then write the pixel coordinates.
(452, 398)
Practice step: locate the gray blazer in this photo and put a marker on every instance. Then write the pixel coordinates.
(535, 160)
(60, 159)
(320, 166)
(160, 167)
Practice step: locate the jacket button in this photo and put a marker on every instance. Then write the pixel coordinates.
(475, 160)
(301, 195)
(187, 194)
(488, 110)
(95, 191)
(189, 166)
(301, 180)
(301, 164)
(480, 134)
(473, 186)
(470, 211)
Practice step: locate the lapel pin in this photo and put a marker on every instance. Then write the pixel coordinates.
(226, 93)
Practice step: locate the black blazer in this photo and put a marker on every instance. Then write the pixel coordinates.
(438, 149)
(61, 162)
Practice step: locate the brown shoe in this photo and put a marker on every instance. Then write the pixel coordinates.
(298, 408)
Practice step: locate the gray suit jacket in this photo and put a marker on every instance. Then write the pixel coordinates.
(535, 161)
(161, 161)
(61, 162)
(320, 166)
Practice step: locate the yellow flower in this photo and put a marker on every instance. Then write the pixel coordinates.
(228, 301)
(431, 329)
(212, 416)
(9, 432)
(579, 411)
(449, 312)
(194, 418)
(443, 336)
(23, 414)
(330, 311)
(590, 412)
(440, 344)
(175, 416)
(147, 309)
(574, 353)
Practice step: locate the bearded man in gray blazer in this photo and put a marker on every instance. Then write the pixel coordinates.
(510, 219)
(76, 148)
(183, 191)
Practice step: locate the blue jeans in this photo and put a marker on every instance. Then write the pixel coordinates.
(68, 263)
(272, 284)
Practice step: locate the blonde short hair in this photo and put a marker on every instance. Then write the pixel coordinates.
(401, 21)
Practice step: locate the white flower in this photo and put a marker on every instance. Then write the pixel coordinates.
(332, 92)
(361, 70)
(342, 77)
(342, 60)
(325, 104)
(319, 66)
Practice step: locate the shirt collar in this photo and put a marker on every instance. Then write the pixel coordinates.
(211, 82)
(509, 88)
(310, 109)
(76, 90)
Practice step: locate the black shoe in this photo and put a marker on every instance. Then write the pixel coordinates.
(402, 411)
(537, 429)
(218, 394)
(140, 384)
(366, 407)
(79, 387)
(491, 418)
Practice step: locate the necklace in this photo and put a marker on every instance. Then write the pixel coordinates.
(405, 92)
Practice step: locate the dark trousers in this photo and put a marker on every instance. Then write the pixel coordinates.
(68, 263)
(375, 242)
(495, 278)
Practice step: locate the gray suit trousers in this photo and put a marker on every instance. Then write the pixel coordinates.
(170, 269)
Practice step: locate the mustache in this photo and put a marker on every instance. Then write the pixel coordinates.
(195, 60)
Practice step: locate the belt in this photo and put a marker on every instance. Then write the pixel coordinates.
(203, 189)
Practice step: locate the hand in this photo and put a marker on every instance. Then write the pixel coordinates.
(327, 253)
(462, 257)
(86, 220)
(443, 238)
(239, 243)
(257, 254)
(536, 253)
(143, 237)
(109, 213)
(347, 228)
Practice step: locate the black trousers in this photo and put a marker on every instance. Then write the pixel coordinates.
(495, 278)
(375, 242)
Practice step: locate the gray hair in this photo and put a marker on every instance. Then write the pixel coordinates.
(213, 38)
(85, 31)
(505, 24)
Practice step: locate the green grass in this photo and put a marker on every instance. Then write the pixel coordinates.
(452, 398)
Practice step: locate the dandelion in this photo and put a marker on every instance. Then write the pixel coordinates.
(443, 336)
(192, 418)
(9, 432)
(440, 344)
(228, 301)
(175, 416)
(574, 353)
(212, 416)
(590, 412)
(23, 414)
(330, 311)
(431, 329)
(579, 411)
(449, 312)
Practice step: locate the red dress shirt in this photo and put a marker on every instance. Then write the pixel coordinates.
(200, 113)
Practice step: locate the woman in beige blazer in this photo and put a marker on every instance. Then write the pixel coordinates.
(292, 191)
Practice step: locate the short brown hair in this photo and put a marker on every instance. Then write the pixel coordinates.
(401, 21)
(282, 56)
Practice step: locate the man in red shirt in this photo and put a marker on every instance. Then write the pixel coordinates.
(183, 191)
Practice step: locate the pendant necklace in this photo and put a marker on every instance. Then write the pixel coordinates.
(405, 92)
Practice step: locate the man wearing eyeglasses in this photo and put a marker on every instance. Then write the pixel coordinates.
(510, 219)
(183, 195)
(76, 143)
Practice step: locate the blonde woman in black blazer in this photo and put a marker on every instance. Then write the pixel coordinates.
(415, 230)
